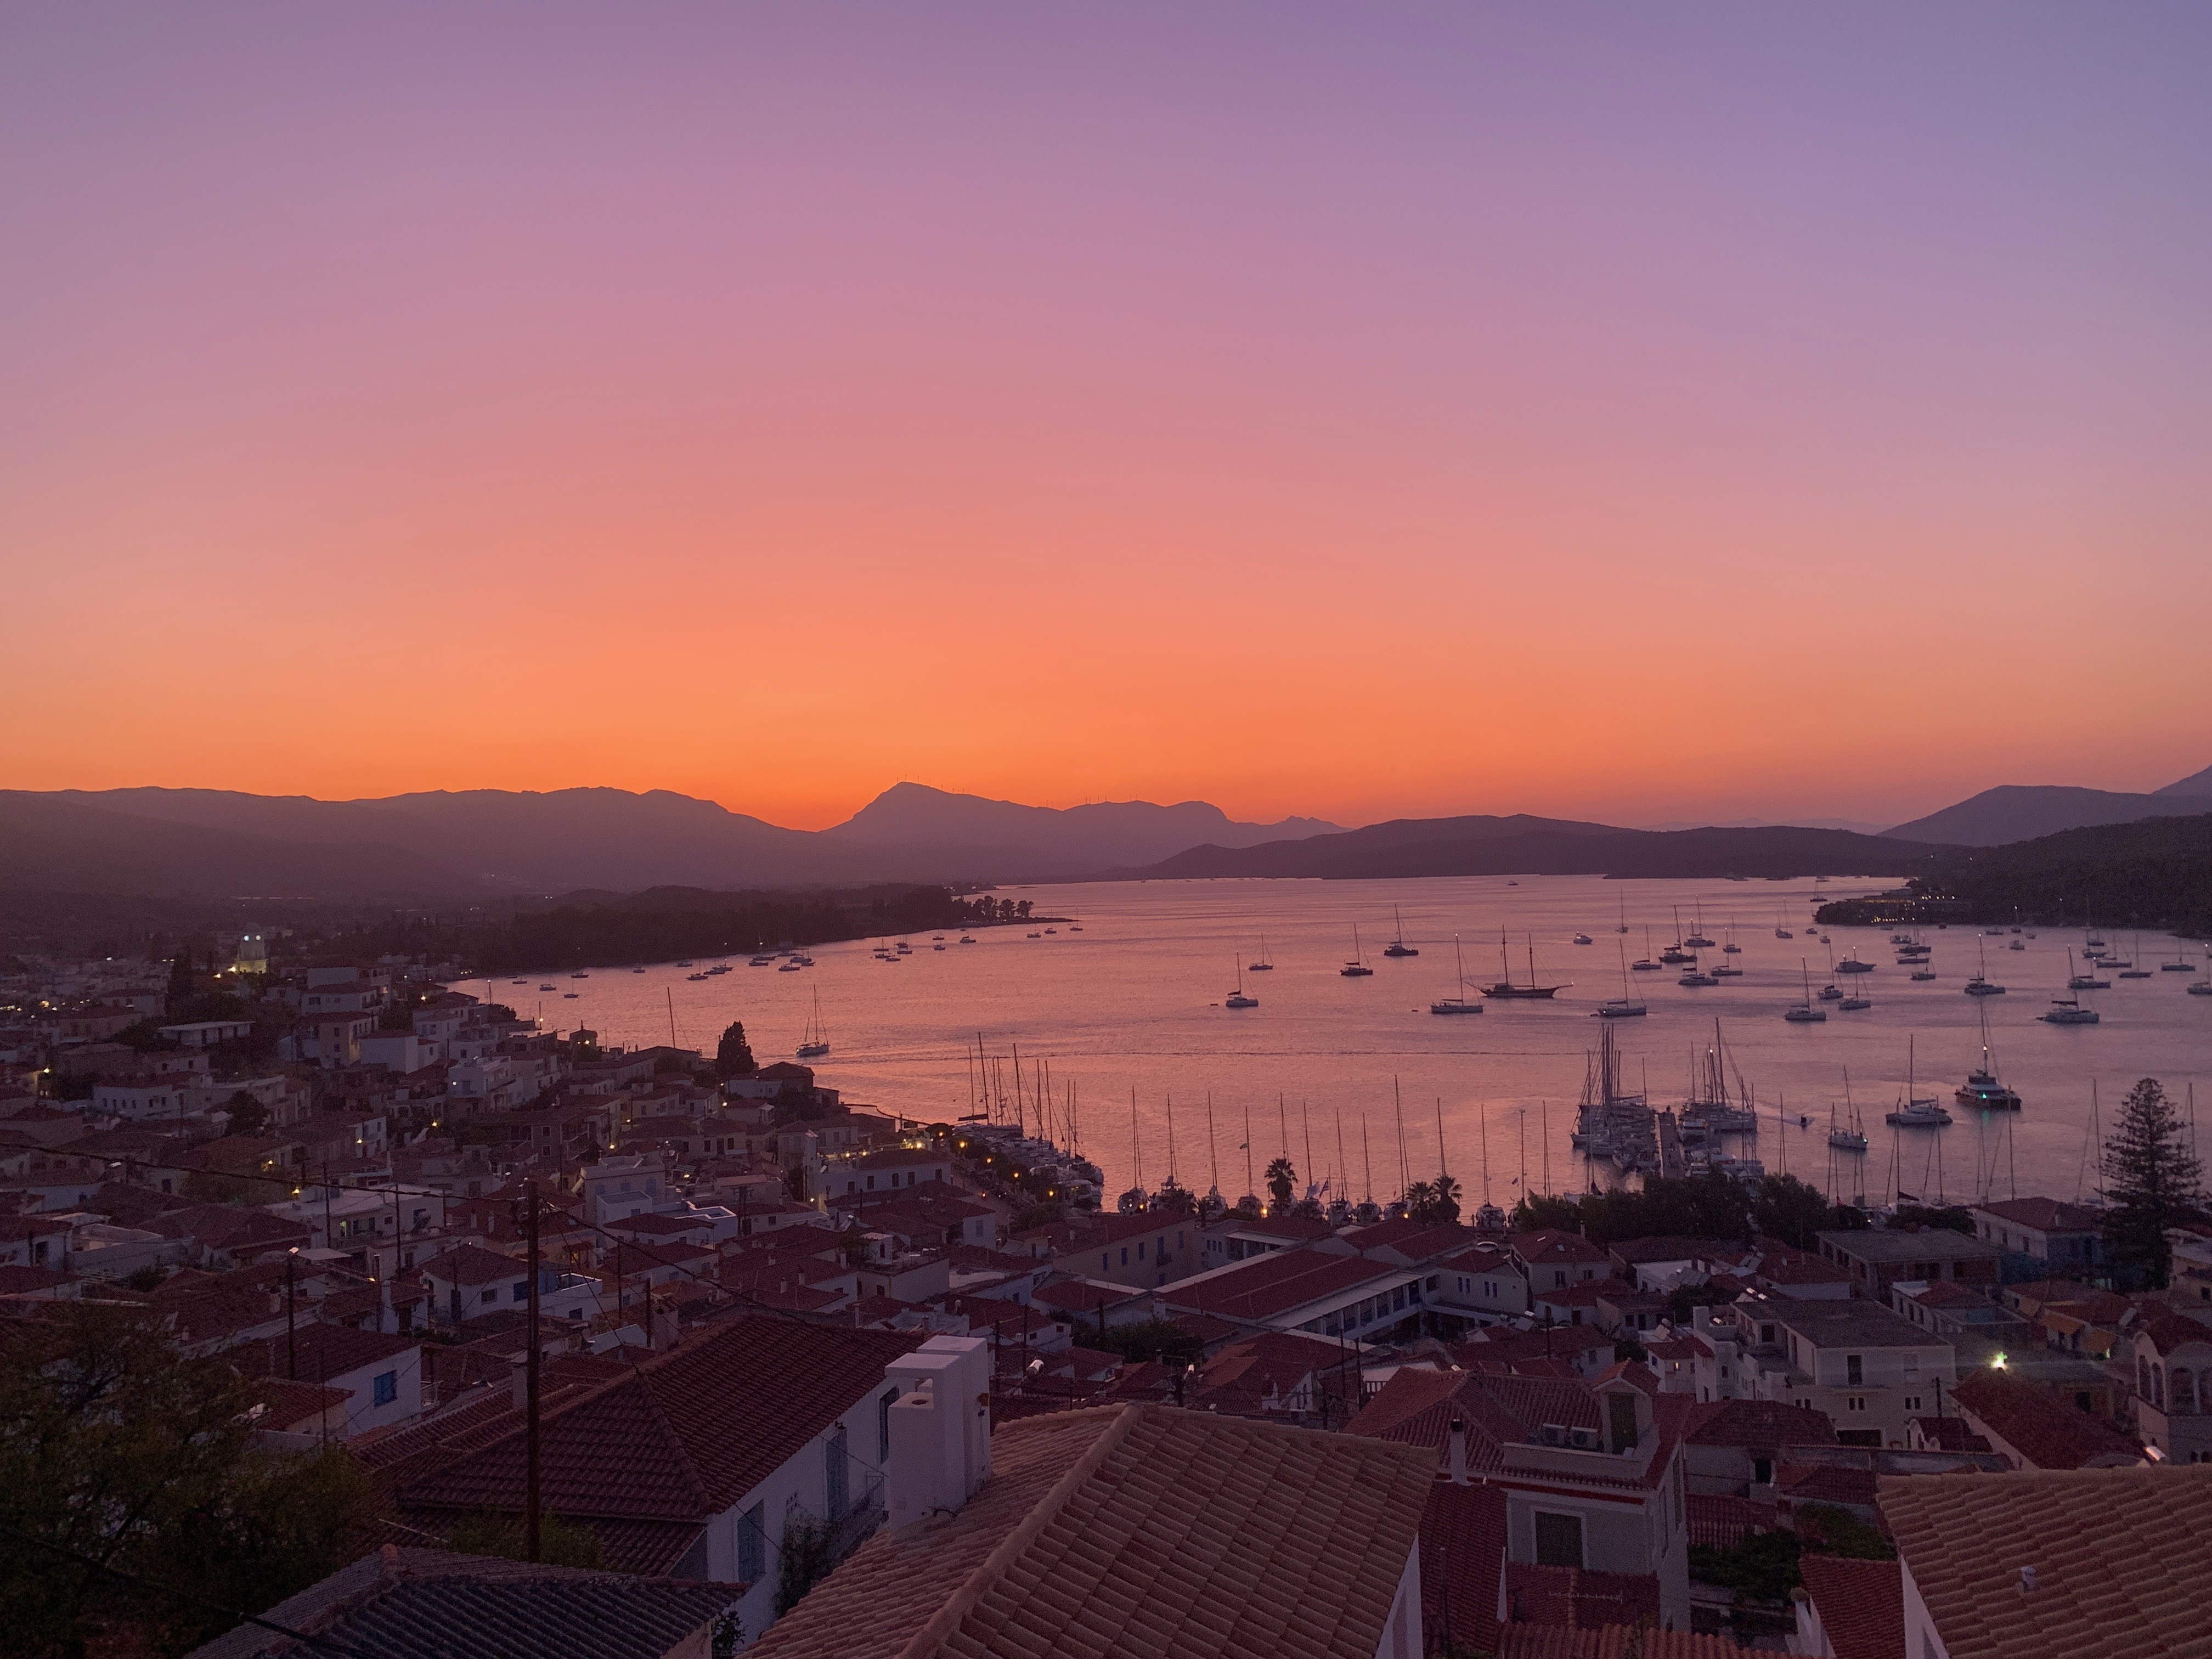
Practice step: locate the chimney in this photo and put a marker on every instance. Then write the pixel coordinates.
(1456, 1462)
(518, 1371)
(940, 1428)
(388, 1320)
(2027, 1580)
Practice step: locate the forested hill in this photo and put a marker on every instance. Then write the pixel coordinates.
(1543, 846)
(2154, 874)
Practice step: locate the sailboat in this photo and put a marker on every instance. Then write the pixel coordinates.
(1673, 955)
(2128, 969)
(1236, 999)
(1807, 1011)
(1624, 914)
(1698, 941)
(1926, 970)
(1506, 987)
(2180, 965)
(1979, 985)
(1780, 932)
(1458, 1004)
(1357, 968)
(1263, 964)
(1645, 964)
(1853, 1138)
(1916, 1113)
(2088, 982)
(1397, 946)
(814, 1042)
(1622, 1006)
(1982, 1087)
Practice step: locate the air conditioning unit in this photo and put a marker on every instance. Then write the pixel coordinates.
(1555, 1434)
(1584, 1439)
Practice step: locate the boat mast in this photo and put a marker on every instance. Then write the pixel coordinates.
(1305, 1119)
(1213, 1150)
(1398, 1110)
(1250, 1187)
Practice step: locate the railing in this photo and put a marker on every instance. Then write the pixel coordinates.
(848, 1531)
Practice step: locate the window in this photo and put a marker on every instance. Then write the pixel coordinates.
(521, 1289)
(1558, 1541)
(752, 1534)
(1140, 1250)
(1854, 1368)
(386, 1388)
(491, 1295)
(1125, 1255)
(1855, 1402)
(1762, 1470)
(837, 1479)
(1620, 1413)
(1912, 1402)
(1105, 1259)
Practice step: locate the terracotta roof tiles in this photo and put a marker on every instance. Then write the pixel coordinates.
(2120, 1557)
(1860, 1604)
(1134, 1531)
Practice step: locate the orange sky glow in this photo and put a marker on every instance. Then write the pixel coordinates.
(1363, 412)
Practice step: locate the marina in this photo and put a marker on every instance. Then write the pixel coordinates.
(1132, 1002)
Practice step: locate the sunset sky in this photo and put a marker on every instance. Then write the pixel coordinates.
(1366, 410)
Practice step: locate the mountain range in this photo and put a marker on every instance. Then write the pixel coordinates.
(2014, 811)
(441, 844)
(1521, 845)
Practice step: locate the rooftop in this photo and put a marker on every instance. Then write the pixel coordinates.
(2044, 1215)
(1148, 1531)
(1267, 1286)
(1833, 1324)
(2048, 1432)
(430, 1604)
(1860, 1604)
(2120, 1557)
(1886, 1246)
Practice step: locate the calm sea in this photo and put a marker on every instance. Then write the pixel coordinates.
(1132, 1003)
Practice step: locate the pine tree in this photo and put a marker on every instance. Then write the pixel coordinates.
(733, 1056)
(2153, 1182)
(181, 982)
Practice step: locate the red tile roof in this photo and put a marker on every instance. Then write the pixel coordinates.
(1611, 1642)
(1141, 1532)
(1860, 1604)
(1268, 1287)
(683, 1435)
(1764, 1423)
(2048, 1432)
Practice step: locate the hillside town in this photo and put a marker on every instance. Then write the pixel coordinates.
(704, 1351)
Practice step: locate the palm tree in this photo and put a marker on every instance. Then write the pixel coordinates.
(1282, 1182)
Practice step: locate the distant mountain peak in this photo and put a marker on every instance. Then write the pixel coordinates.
(2197, 785)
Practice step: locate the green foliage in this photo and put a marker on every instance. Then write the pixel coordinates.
(1546, 1212)
(148, 1278)
(1175, 1199)
(1628, 1347)
(1281, 1180)
(1710, 1206)
(1762, 1568)
(116, 1444)
(1433, 1203)
(2151, 1182)
(1835, 1531)
(248, 1116)
(802, 1560)
(1031, 1217)
(560, 1543)
(733, 1056)
(1792, 1210)
(1148, 1338)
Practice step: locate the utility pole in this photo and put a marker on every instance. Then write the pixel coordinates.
(533, 1541)
(291, 1315)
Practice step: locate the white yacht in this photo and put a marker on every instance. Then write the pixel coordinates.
(2068, 1011)
(1806, 1012)
(1236, 999)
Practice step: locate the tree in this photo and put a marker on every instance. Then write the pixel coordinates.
(1175, 1199)
(1433, 1203)
(2152, 1180)
(118, 1446)
(733, 1056)
(247, 1115)
(1282, 1181)
(1791, 1211)
(181, 983)
(1535, 1213)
